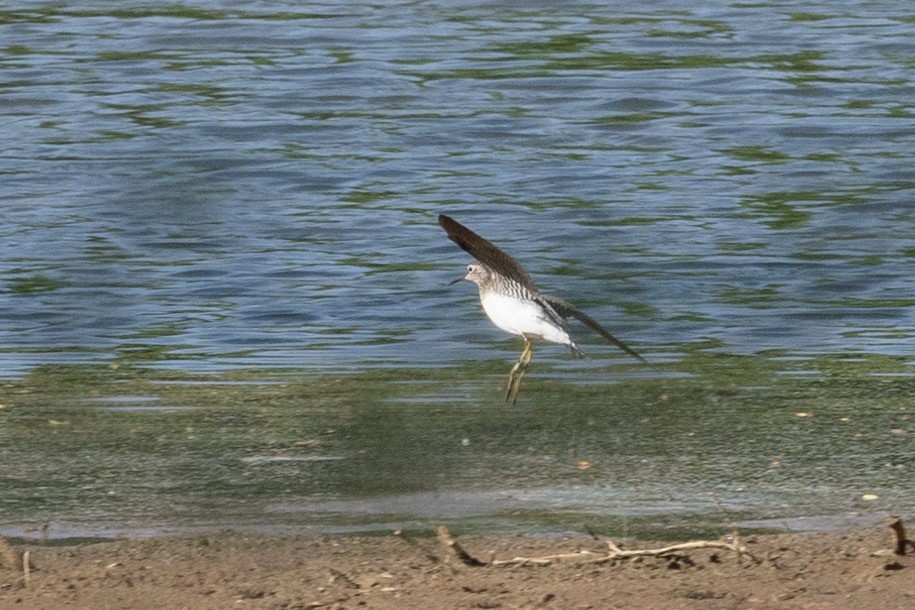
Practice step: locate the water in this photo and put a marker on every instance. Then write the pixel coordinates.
(203, 188)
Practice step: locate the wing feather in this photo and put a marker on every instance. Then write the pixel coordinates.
(566, 309)
(486, 252)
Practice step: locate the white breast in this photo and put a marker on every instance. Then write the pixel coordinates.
(521, 317)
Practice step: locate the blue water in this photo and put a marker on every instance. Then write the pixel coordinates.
(208, 186)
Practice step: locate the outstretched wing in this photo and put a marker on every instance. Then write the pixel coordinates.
(566, 309)
(486, 252)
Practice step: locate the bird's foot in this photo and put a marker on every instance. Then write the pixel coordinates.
(517, 372)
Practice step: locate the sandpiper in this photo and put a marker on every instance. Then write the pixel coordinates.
(513, 303)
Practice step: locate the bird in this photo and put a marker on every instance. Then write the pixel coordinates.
(512, 301)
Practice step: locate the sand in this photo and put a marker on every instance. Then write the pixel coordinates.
(838, 570)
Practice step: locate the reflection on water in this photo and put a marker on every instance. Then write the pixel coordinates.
(209, 189)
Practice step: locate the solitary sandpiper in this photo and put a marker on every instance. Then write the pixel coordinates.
(513, 303)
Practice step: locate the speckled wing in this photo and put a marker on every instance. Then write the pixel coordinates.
(566, 309)
(486, 252)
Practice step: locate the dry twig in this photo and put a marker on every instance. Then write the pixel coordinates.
(15, 560)
(403, 536)
(901, 542)
(444, 536)
(614, 553)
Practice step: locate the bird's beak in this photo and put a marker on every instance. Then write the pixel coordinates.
(453, 282)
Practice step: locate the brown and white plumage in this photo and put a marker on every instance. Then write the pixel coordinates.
(515, 304)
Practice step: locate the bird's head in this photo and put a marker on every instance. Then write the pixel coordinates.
(476, 273)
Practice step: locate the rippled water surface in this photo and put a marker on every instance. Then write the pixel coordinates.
(208, 188)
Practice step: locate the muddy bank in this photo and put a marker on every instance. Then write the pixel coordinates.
(851, 569)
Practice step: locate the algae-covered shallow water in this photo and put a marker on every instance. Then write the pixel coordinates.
(764, 441)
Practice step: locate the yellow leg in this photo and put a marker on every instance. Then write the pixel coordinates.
(517, 372)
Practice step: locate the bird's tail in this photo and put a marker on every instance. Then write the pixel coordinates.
(575, 351)
(566, 309)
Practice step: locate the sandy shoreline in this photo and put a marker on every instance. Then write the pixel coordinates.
(851, 569)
